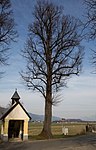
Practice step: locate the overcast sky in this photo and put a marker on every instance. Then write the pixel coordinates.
(78, 99)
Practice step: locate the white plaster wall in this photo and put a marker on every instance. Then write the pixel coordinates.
(17, 114)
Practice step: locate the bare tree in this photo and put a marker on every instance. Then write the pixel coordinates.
(91, 26)
(93, 61)
(91, 17)
(7, 31)
(53, 53)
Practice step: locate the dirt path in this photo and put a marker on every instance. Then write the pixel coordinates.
(85, 142)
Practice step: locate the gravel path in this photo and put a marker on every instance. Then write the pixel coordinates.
(85, 142)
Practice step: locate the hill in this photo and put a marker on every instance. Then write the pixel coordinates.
(36, 117)
(2, 110)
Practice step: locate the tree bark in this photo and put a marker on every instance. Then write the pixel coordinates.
(46, 132)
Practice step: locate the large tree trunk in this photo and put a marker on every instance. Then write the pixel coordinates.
(46, 132)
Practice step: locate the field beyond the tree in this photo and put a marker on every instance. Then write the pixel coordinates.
(74, 129)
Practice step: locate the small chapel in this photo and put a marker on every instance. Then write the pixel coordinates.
(15, 121)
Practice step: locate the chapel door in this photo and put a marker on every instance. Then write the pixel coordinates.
(15, 128)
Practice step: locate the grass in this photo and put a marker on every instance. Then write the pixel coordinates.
(74, 129)
(35, 128)
(38, 137)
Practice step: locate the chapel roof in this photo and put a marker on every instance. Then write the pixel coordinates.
(12, 107)
(17, 102)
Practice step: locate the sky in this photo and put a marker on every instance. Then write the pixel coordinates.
(78, 99)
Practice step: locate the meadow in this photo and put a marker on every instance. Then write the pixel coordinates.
(74, 129)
